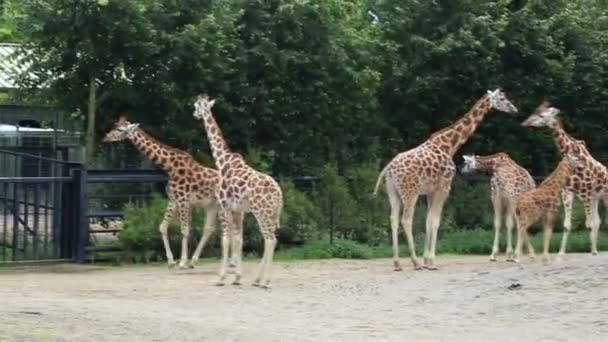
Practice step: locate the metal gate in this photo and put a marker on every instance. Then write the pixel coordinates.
(40, 208)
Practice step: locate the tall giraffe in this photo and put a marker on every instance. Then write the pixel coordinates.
(190, 184)
(428, 170)
(242, 189)
(589, 182)
(543, 203)
(508, 181)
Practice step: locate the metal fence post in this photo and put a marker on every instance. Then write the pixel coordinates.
(81, 208)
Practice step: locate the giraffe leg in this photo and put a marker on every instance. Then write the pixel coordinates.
(184, 216)
(164, 228)
(428, 228)
(407, 221)
(522, 227)
(439, 199)
(208, 228)
(268, 226)
(498, 207)
(549, 220)
(510, 224)
(395, 203)
(567, 200)
(592, 221)
(237, 246)
(226, 223)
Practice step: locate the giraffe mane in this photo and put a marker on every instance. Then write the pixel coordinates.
(453, 124)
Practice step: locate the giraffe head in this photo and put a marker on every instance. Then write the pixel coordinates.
(499, 101)
(474, 162)
(203, 106)
(470, 163)
(543, 116)
(122, 130)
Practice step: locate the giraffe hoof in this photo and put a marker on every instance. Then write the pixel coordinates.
(418, 268)
(493, 259)
(431, 267)
(397, 269)
(219, 284)
(265, 287)
(510, 260)
(593, 253)
(236, 283)
(171, 265)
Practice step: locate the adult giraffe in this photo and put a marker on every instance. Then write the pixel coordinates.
(242, 189)
(428, 169)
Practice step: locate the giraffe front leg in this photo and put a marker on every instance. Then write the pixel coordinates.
(164, 228)
(497, 204)
(227, 221)
(436, 211)
(268, 225)
(237, 247)
(592, 221)
(548, 230)
(208, 228)
(567, 200)
(510, 224)
(184, 215)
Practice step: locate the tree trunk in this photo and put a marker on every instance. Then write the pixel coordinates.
(91, 110)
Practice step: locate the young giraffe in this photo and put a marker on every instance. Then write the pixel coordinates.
(543, 203)
(508, 181)
(190, 184)
(242, 189)
(429, 169)
(589, 182)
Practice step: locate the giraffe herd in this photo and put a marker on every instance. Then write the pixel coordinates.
(234, 188)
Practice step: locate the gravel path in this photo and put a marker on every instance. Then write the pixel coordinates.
(468, 299)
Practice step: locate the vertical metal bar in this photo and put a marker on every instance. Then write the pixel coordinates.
(15, 221)
(26, 227)
(46, 219)
(36, 220)
(83, 218)
(4, 219)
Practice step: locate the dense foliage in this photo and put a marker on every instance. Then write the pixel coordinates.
(333, 88)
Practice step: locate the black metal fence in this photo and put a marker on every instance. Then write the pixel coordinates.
(40, 215)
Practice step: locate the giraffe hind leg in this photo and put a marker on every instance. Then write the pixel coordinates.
(268, 225)
(164, 228)
(395, 204)
(439, 199)
(567, 200)
(208, 229)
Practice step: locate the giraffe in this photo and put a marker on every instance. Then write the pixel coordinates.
(428, 170)
(543, 203)
(242, 189)
(589, 182)
(508, 181)
(190, 184)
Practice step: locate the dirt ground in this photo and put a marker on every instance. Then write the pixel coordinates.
(467, 299)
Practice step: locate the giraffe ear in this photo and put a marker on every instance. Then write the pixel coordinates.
(211, 103)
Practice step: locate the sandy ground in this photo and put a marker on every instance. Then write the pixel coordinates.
(467, 299)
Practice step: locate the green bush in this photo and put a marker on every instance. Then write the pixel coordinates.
(299, 218)
(141, 238)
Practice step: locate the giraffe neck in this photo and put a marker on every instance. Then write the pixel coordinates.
(219, 148)
(562, 139)
(154, 150)
(557, 179)
(452, 137)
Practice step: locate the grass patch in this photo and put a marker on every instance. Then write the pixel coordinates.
(471, 242)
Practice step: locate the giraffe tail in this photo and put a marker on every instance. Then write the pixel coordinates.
(380, 178)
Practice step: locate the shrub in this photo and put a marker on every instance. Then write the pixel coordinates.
(300, 217)
(141, 238)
